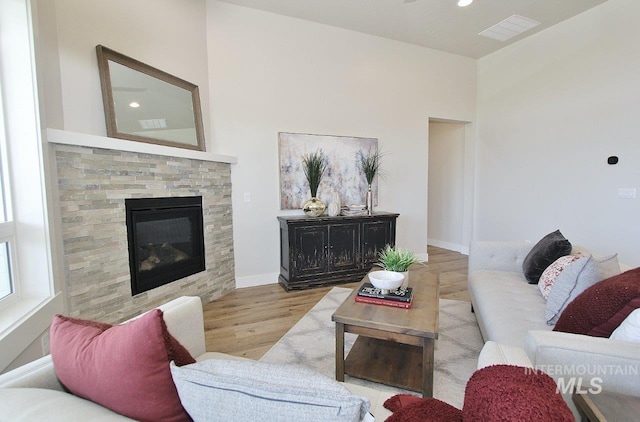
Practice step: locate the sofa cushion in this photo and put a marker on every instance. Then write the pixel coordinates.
(601, 308)
(123, 367)
(548, 249)
(225, 390)
(575, 279)
(41, 404)
(499, 293)
(513, 393)
(551, 273)
(629, 330)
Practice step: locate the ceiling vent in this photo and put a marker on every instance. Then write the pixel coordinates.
(509, 28)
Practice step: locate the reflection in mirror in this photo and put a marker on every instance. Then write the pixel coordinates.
(145, 104)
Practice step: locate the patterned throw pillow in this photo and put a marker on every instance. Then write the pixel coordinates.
(552, 272)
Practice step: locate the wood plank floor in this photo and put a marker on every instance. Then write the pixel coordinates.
(248, 322)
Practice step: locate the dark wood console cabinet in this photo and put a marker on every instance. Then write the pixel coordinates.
(317, 251)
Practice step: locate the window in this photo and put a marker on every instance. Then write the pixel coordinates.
(28, 296)
(25, 262)
(7, 287)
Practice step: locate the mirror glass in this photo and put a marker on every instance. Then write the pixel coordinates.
(145, 104)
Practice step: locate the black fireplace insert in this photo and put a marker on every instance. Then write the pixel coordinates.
(166, 240)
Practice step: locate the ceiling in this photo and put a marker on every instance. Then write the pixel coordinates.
(438, 24)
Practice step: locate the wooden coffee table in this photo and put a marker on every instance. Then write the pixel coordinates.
(606, 406)
(395, 346)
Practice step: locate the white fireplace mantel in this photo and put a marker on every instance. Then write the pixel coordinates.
(57, 136)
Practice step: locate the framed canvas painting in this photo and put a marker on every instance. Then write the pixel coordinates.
(343, 173)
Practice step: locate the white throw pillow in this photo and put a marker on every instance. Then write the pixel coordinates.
(233, 390)
(575, 279)
(629, 330)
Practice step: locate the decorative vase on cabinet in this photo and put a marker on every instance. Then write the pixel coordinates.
(314, 207)
(334, 205)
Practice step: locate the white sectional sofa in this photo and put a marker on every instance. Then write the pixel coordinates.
(511, 316)
(33, 392)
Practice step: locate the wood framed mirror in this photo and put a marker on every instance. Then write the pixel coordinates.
(145, 104)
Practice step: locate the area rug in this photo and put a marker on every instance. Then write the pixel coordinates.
(311, 342)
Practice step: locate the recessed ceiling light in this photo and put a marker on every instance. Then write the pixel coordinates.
(463, 3)
(134, 104)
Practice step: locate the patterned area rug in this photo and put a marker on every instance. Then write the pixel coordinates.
(311, 342)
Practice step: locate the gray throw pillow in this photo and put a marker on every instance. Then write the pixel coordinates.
(544, 253)
(575, 279)
(230, 390)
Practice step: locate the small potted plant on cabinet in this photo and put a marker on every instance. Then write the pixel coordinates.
(314, 166)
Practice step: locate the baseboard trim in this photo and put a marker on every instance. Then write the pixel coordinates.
(422, 257)
(256, 280)
(448, 245)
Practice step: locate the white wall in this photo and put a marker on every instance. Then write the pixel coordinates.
(446, 185)
(273, 74)
(551, 109)
(167, 34)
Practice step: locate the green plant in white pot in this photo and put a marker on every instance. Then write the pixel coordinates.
(397, 260)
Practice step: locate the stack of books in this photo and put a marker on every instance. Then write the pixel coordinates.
(353, 210)
(400, 298)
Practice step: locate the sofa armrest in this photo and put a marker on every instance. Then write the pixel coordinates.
(494, 353)
(185, 321)
(614, 365)
(36, 374)
(498, 256)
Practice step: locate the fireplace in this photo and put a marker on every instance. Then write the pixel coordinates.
(166, 240)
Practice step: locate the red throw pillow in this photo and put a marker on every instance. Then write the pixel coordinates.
(409, 408)
(513, 393)
(124, 368)
(600, 309)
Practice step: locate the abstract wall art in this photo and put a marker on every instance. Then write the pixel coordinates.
(343, 173)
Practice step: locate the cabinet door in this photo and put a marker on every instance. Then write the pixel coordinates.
(310, 251)
(375, 236)
(344, 249)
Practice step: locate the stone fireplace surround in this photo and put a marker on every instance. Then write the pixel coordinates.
(93, 184)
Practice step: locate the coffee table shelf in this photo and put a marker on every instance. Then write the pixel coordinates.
(395, 346)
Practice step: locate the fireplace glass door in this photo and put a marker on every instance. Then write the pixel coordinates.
(166, 240)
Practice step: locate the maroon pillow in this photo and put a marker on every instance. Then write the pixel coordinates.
(399, 401)
(408, 408)
(124, 368)
(602, 307)
(513, 393)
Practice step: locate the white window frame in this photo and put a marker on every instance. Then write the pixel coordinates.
(7, 227)
(27, 313)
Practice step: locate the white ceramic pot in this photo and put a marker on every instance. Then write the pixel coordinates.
(386, 280)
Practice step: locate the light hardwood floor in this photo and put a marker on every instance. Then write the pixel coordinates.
(247, 322)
